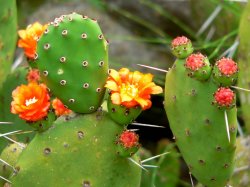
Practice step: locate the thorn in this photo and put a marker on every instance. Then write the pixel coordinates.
(191, 179)
(147, 125)
(5, 179)
(150, 166)
(8, 133)
(154, 68)
(21, 145)
(6, 163)
(153, 157)
(227, 126)
(238, 88)
(137, 164)
(6, 122)
(23, 132)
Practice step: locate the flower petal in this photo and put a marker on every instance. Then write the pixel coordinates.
(115, 98)
(110, 84)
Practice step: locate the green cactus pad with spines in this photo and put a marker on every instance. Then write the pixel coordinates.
(8, 36)
(72, 57)
(14, 79)
(121, 114)
(10, 155)
(199, 127)
(77, 152)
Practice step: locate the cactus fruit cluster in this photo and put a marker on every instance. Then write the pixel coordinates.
(201, 110)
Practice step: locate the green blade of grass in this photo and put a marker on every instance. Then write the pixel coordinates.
(157, 8)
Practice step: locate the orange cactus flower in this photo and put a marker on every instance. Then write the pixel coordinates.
(28, 38)
(33, 75)
(131, 88)
(30, 101)
(59, 107)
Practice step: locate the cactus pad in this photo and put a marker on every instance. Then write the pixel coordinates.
(72, 57)
(199, 126)
(78, 151)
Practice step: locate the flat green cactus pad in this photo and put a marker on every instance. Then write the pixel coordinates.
(77, 152)
(199, 127)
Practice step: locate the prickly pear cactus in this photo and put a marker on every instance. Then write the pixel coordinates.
(80, 151)
(9, 155)
(72, 57)
(196, 111)
(8, 21)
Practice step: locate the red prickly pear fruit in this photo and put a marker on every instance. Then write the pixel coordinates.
(225, 71)
(224, 98)
(181, 47)
(198, 66)
(127, 143)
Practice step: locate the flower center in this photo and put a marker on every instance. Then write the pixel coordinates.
(31, 101)
(130, 90)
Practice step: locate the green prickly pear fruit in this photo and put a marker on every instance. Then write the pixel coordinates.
(199, 127)
(127, 143)
(79, 151)
(225, 72)
(123, 115)
(8, 36)
(10, 155)
(224, 98)
(198, 66)
(72, 57)
(181, 47)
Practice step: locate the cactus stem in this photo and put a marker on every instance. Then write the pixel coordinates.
(6, 122)
(191, 179)
(6, 163)
(5, 179)
(238, 88)
(154, 157)
(147, 125)
(151, 67)
(8, 133)
(8, 138)
(136, 163)
(227, 125)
